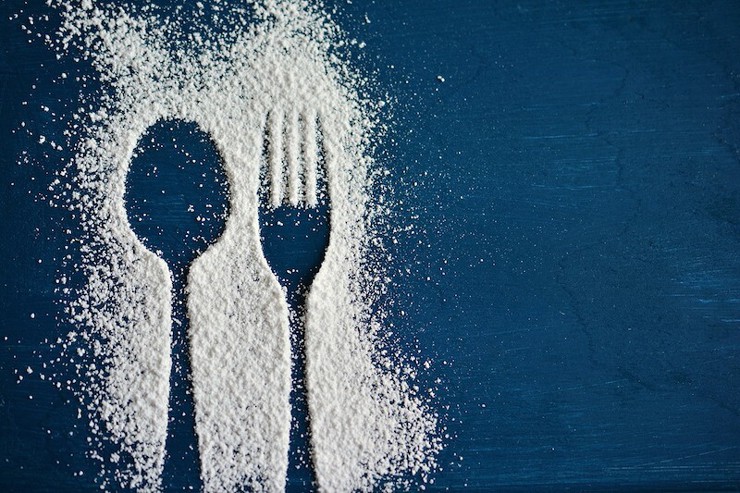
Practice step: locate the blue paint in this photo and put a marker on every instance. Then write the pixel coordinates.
(573, 184)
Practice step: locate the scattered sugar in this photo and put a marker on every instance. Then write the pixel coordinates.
(276, 71)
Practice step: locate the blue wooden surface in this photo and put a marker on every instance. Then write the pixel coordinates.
(575, 271)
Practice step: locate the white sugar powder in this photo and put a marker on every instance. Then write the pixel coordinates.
(278, 70)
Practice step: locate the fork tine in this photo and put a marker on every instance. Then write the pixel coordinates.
(275, 160)
(310, 157)
(292, 156)
(265, 164)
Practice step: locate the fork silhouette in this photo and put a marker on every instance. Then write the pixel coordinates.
(294, 230)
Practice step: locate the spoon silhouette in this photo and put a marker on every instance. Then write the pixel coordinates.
(176, 204)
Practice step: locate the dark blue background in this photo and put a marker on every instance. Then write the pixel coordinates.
(575, 267)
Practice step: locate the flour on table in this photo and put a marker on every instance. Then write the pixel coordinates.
(277, 68)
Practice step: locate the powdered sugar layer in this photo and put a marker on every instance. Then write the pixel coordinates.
(367, 423)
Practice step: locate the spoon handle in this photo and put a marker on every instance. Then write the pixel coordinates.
(182, 447)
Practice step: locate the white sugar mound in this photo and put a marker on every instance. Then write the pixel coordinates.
(279, 69)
